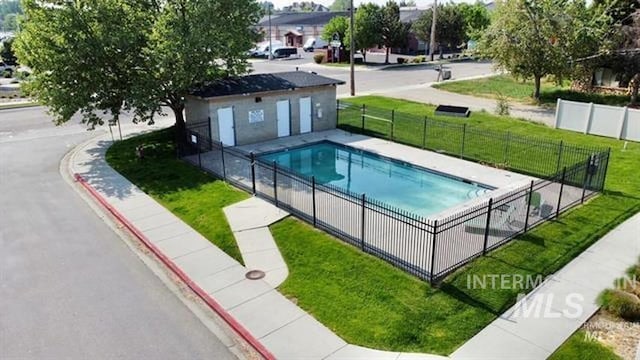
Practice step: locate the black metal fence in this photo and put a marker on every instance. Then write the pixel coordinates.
(530, 155)
(427, 248)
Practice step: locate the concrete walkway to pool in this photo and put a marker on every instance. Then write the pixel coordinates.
(281, 326)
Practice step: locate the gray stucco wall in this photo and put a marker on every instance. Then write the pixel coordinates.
(323, 105)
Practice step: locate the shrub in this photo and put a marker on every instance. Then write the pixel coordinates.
(7, 74)
(22, 75)
(401, 60)
(502, 105)
(620, 303)
(419, 59)
(318, 58)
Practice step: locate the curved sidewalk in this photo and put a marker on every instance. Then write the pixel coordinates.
(282, 327)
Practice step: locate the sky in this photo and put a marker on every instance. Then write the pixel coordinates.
(419, 3)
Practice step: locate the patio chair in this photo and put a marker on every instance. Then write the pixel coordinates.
(536, 203)
(501, 218)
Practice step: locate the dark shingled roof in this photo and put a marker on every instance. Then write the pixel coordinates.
(301, 18)
(258, 83)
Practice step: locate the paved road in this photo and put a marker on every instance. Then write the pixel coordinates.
(69, 287)
(383, 82)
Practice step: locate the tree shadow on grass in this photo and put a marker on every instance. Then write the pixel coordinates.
(160, 172)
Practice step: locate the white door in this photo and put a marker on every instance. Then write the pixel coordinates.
(305, 115)
(225, 126)
(283, 118)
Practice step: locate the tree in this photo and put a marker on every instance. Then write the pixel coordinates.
(533, 39)
(450, 28)
(340, 5)
(337, 25)
(10, 22)
(111, 56)
(6, 52)
(367, 28)
(394, 33)
(626, 59)
(476, 19)
(407, 3)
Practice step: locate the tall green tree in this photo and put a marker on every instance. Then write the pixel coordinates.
(367, 28)
(394, 33)
(535, 38)
(109, 56)
(10, 22)
(6, 52)
(476, 19)
(450, 27)
(340, 5)
(337, 25)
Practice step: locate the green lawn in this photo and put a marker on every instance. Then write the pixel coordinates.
(580, 347)
(522, 91)
(191, 194)
(367, 301)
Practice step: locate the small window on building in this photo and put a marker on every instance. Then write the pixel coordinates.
(258, 99)
(256, 116)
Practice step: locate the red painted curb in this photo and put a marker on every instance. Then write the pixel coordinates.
(214, 305)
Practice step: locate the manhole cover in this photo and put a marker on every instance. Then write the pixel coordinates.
(254, 274)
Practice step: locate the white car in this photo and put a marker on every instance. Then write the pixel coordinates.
(262, 49)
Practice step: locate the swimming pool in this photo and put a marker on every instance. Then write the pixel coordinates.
(418, 190)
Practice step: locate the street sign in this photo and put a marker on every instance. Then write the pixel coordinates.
(335, 43)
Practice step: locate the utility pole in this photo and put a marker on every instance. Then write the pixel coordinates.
(352, 51)
(270, 45)
(432, 40)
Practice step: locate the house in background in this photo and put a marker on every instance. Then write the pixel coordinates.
(260, 107)
(293, 29)
(305, 6)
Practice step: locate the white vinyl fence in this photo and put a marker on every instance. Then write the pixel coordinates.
(595, 119)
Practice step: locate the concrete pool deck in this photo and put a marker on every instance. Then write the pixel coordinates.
(502, 180)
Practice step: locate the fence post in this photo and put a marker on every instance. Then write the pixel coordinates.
(275, 183)
(606, 168)
(364, 111)
(393, 118)
(362, 224)
(486, 229)
(464, 137)
(224, 169)
(526, 219)
(209, 133)
(587, 169)
(313, 199)
(337, 112)
(253, 172)
(506, 147)
(433, 252)
(199, 151)
(560, 156)
(424, 133)
(564, 173)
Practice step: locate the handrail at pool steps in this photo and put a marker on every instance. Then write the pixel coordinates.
(428, 248)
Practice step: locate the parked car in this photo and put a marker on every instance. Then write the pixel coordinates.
(284, 52)
(314, 43)
(262, 49)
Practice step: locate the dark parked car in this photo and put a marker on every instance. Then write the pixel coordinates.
(284, 52)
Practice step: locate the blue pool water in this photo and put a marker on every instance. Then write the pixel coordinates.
(415, 189)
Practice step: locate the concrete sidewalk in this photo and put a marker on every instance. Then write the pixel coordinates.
(282, 327)
(561, 305)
